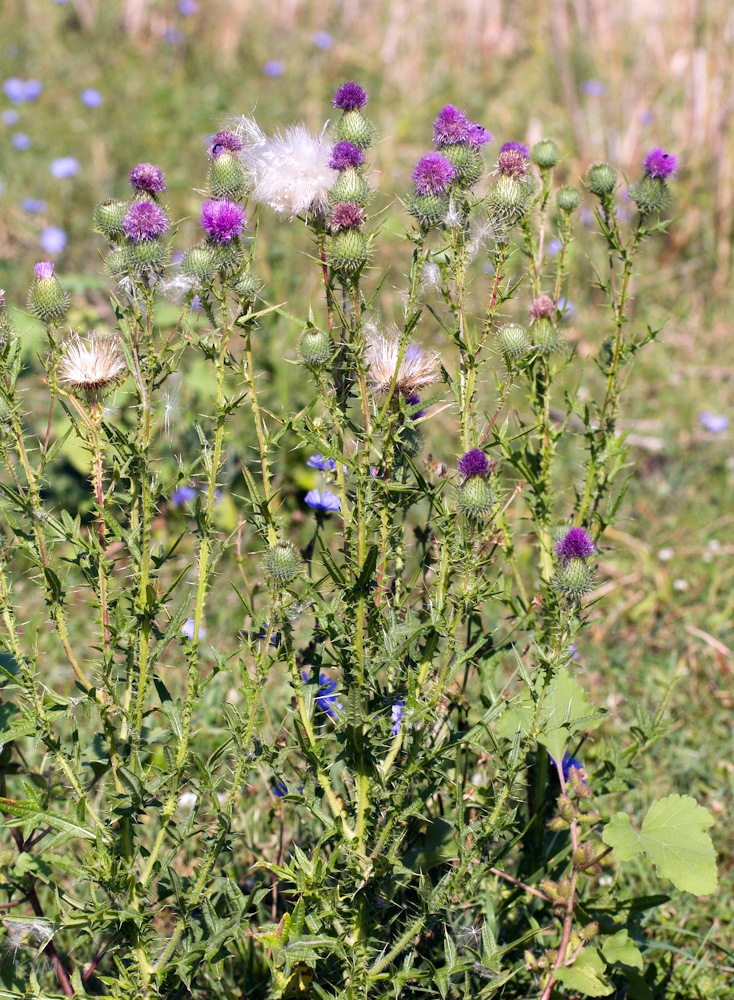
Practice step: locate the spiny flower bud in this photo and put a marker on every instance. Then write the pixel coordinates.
(116, 264)
(227, 178)
(144, 221)
(568, 199)
(109, 218)
(545, 336)
(315, 347)
(550, 889)
(476, 498)
(574, 580)
(148, 178)
(200, 263)
(228, 257)
(148, 255)
(513, 342)
(411, 440)
(508, 200)
(542, 306)
(246, 285)
(348, 252)
(47, 299)
(281, 563)
(429, 209)
(350, 186)
(467, 161)
(601, 179)
(650, 194)
(355, 128)
(545, 154)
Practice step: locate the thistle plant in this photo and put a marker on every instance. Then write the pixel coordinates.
(334, 742)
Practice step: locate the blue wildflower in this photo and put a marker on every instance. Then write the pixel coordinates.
(22, 91)
(64, 166)
(280, 789)
(326, 698)
(323, 40)
(715, 423)
(187, 8)
(196, 302)
(318, 461)
(11, 117)
(22, 141)
(52, 239)
(187, 629)
(569, 762)
(91, 97)
(593, 88)
(182, 495)
(33, 205)
(323, 501)
(273, 67)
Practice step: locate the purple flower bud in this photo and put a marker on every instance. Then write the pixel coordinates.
(575, 544)
(222, 220)
(474, 463)
(92, 98)
(344, 155)
(225, 141)
(519, 147)
(350, 97)
(660, 164)
(64, 166)
(44, 270)
(144, 221)
(433, 173)
(148, 177)
(512, 163)
(346, 215)
(451, 126)
(52, 239)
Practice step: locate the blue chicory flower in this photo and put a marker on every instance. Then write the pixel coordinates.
(52, 239)
(182, 495)
(91, 97)
(10, 117)
(22, 91)
(323, 501)
(273, 67)
(187, 629)
(566, 765)
(22, 141)
(715, 423)
(322, 40)
(593, 88)
(280, 789)
(64, 166)
(33, 205)
(318, 461)
(326, 697)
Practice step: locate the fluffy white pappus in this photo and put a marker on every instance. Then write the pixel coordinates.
(178, 287)
(418, 368)
(290, 170)
(430, 275)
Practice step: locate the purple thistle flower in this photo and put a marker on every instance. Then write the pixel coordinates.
(64, 166)
(474, 463)
(413, 399)
(518, 147)
(318, 461)
(715, 423)
(148, 177)
(182, 495)
(323, 501)
(349, 97)
(344, 155)
(433, 173)
(478, 135)
(144, 221)
(225, 141)
(512, 163)
(346, 215)
(33, 205)
(222, 220)
(22, 141)
(326, 698)
(575, 544)
(451, 126)
(44, 270)
(567, 763)
(660, 164)
(92, 98)
(52, 239)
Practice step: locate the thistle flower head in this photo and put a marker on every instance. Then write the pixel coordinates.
(222, 220)
(148, 177)
(659, 163)
(517, 147)
(92, 365)
(346, 215)
(451, 126)
(225, 141)
(144, 221)
(542, 306)
(473, 463)
(344, 155)
(478, 135)
(419, 367)
(433, 173)
(44, 270)
(290, 171)
(350, 97)
(512, 163)
(575, 544)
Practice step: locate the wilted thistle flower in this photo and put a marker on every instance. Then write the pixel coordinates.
(512, 163)
(344, 155)
(148, 177)
(346, 215)
(93, 365)
(433, 174)
(575, 544)
(222, 220)
(290, 171)
(144, 221)
(47, 299)
(418, 368)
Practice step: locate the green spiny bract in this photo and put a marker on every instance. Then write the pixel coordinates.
(116, 264)
(545, 336)
(147, 255)
(109, 217)
(468, 162)
(348, 251)
(508, 200)
(227, 177)
(228, 257)
(355, 128)
(476, 498)
(315, 347)
(512, 340)
(601, 179)
(47, 299)
(282, 563)
(568, 199)
(574, 580)
(429, 209)
(650, 194)
(351, 186)
(545, 154)
(200, 262)
(246, 285)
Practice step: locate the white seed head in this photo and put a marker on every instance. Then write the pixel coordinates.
(92, 365)
(419, 366)
(290, 170)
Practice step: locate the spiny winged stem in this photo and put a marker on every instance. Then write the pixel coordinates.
(249, 375)
(99, 499)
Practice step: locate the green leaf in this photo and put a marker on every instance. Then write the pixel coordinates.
(36, 817)
(619, 948)
(586, 975)
(673, 837)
